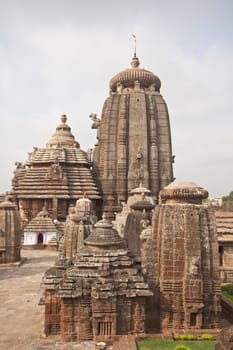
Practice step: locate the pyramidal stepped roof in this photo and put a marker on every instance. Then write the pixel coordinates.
(62, 147)
(104, 235)
(41, 223)
(103, 268)
(60, 168)
(63, 136)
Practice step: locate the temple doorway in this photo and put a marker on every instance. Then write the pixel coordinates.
(40, 238)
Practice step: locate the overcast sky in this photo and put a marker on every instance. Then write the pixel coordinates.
(57, 57)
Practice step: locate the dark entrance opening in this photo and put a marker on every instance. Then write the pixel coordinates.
(193, 319)
(40, 238)
(221, 252)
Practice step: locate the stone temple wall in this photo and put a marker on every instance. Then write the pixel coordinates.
(181, 259)
(9, 233)
(99, 293)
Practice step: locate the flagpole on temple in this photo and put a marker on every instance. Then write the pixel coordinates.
(134, 38)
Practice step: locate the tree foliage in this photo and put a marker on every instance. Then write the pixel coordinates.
(229, 197)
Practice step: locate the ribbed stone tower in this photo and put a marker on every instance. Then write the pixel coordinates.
(134, 142)
(9, 233)
(182, 259)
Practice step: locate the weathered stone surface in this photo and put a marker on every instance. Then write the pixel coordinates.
(71, 346)
(103, 294)
(226, 342)
(54, 176)
(10, 233)
(181, 259)
(135, 216)
(134, 142)
(77, 228)
(224, 221)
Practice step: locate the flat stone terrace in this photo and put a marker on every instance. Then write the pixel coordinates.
(21, 318)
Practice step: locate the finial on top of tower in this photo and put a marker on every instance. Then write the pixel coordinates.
(63, 118)
(135, 61)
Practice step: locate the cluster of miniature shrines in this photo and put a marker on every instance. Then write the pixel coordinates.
(137, 251)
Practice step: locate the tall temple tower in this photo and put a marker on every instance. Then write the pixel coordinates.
(134, 140)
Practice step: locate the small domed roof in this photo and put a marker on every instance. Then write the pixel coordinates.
(184, 192)
(63, 136)
(104, 235)
(143, 204)
(83, 200)
(129, 76)
(6, 204)
(140, 190)
(42, 222)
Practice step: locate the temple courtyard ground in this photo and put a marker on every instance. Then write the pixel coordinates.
(21, 318)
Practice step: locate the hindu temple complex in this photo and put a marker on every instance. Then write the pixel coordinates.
(159, 271)
(137, 252)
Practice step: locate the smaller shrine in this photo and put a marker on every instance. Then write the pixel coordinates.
(78, 226)
(98, 295)
(40, 230)
(134, 218)
(224, 221)
(9, 233)
(138, 194)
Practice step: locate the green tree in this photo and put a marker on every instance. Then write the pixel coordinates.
(228, 198)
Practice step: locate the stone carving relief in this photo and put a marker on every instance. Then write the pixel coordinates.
(55, 171)
(194, 266)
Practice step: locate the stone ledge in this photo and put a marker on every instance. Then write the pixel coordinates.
(87, 345)
(14, 264)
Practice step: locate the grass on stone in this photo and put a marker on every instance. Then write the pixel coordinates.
(227, 292)
(228, 297)
(157, 344)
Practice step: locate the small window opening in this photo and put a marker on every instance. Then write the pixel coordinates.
(170, 317)
(193, 319)
(104, 328)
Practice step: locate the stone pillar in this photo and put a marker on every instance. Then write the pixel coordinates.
(138, 315)
(55, 208)
(68, 331)
(84, 321)
(52, 313)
